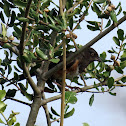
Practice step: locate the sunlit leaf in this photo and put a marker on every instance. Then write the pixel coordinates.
(85, 124)
(70, 97)
(4, 30)
(113, 16)
(55, 60)
(17, 124)
(2, 106)
(1, 121)
(2, 94)
(99, 1)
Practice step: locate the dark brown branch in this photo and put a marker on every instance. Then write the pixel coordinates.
(93, 41)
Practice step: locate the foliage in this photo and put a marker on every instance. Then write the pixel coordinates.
(41, 42)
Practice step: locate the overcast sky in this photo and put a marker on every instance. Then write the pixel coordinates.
(107, 110)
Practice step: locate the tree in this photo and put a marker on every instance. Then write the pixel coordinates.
(43, 35)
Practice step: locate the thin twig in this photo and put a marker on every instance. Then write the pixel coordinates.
(22, 47)
(82, 17)
(25, 103)
(46, 111)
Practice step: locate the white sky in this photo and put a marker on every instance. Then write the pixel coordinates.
(107, 110)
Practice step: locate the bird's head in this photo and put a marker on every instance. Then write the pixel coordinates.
(92, 55)
(86, 57)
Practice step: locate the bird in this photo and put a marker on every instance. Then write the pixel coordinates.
(74, 68)
(77, 65)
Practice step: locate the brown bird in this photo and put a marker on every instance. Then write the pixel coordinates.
(74, 68)
(78, 65)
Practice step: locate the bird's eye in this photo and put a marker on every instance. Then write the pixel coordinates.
(92, 54)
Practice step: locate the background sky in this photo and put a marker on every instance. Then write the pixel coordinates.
(107, 110)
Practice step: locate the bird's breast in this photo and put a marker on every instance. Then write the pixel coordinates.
(71, 72)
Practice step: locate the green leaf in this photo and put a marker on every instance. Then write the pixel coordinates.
(28, 96)
(2, 17)
(119, 70)
(120, 10)
(54, 112)
(85, 124)
(17, 124)
(91, 100)
(26, 58)
(99, 1)
(4, 30)
(9, 69)
(91, 66)
(120, 33)
(70, 113)
(54, 27)
(114, 94)
(2, 121)
(20, 3)
(71, 23)
(110, 82)
(41, 54)
(123, 79)
(23, 19)
(6, 9)
(18, 30)
(51, 51)
(108, 23)
(55, 60)
(12, 121)
(16, 69)
(113, 16)
(116, 40)
(92, 28)
(123, 64)
(2, 106)
(103, 56)
(70, 97)
(13, 17)
(96, 9)
(16, 76)
(11, 92)
(106, 73)
(22, 87)
(95, 86)
(2, 94)
(1, 5)
(35, 40)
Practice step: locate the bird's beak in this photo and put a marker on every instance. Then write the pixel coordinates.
(98, 59)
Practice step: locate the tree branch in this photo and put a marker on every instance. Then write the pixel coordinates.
(22, 47)
(46, 111)
(93, 41)
(25, 103)
(84, 89)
